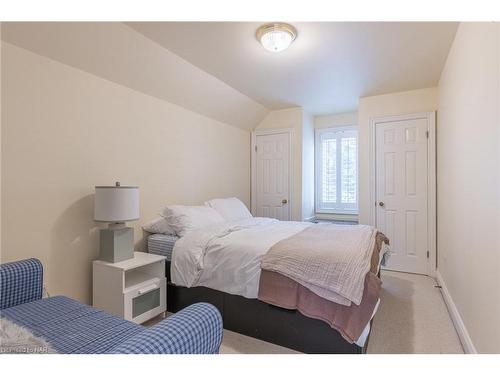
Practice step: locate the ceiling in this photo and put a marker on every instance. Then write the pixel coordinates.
(327, 68)
(115, 52)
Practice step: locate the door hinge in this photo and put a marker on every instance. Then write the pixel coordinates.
(255, 148)
(427, 134)
(427, 254)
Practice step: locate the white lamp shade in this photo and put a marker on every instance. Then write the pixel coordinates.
(116, 204)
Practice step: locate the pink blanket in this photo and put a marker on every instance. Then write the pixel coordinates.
(350, 321)
(279, 290)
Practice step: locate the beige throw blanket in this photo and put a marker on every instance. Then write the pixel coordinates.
(330, 260)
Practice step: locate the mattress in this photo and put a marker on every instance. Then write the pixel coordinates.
(162, 244)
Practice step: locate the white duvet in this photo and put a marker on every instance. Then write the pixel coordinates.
(227, 256)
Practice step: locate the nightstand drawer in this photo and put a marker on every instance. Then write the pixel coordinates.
(145, 301)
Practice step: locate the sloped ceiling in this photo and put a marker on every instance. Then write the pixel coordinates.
(218, 69)
(120, 54)
(328, 67)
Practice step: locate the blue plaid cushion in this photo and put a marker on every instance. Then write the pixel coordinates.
(162, 244)
(71, 327)
(20, 282)
(197, 329)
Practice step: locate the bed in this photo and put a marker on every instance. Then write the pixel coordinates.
(223, 267)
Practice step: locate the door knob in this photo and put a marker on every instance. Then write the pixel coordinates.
(284, 201)
(381, 204)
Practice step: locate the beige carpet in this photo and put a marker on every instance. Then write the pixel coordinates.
(412, 318)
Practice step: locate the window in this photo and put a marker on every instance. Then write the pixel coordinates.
(337, 170)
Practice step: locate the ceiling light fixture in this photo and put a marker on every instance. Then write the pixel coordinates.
(276, 37)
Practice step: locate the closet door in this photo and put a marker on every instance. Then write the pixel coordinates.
(402, 191)
(271, 175)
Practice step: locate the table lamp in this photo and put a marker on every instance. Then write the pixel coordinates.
(116, 205)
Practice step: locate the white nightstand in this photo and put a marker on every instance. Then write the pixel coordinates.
(134, 289)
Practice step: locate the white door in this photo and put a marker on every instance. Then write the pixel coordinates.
(271, 186)
(402, 192)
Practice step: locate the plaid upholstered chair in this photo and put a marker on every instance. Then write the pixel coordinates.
(72, 327)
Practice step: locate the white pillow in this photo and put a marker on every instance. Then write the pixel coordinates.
(159, 225)
(186, 218)
(230, 208)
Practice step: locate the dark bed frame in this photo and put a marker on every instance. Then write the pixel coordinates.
(252, 317)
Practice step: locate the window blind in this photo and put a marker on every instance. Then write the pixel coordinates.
(336, 170)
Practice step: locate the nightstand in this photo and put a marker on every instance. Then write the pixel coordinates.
(133, 289)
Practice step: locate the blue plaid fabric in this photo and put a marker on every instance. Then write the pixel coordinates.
(162, 244)
(20, 282)
(72, 327)
(197, 329)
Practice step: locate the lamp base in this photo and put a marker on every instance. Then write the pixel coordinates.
(116, 244)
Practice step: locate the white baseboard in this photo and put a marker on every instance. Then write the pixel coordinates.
(463, 334)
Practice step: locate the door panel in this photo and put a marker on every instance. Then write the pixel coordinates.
(401, 192)
(272, 171)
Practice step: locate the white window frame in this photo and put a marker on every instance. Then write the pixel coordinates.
(318, 167)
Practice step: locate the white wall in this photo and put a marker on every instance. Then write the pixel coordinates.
(1, 50)
(415, 101)
(65, 131)
(336, 120)
(307, 166)
(290, 118)
(468, 171)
